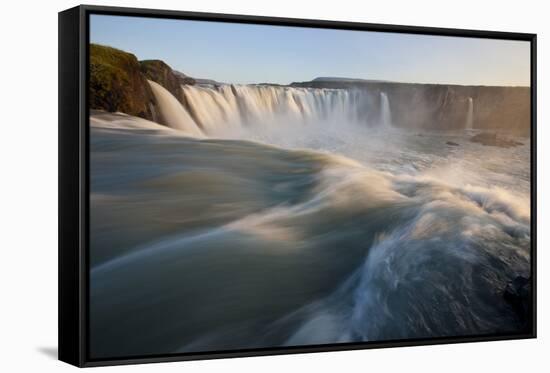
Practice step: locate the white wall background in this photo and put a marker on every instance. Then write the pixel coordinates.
(28, 194)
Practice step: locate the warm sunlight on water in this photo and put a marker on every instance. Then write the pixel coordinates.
(319, 232)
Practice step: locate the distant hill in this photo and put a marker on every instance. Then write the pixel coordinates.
(340, 79)
(208, 81)
(184, 79)
(340, 82)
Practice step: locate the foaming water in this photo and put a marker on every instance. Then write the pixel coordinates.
(272, 216)
(440, 272)
(356, 123)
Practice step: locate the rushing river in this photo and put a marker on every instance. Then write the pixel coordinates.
(295, 232)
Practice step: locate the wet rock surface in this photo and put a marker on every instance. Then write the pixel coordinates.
(518, 294)
(492, 139)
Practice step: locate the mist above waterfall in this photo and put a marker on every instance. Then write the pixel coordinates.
(286, 116)
(357, 122)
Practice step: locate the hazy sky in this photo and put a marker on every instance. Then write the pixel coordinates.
(240, 53)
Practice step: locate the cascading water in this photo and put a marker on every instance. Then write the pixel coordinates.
(224, 108)
(172, 112)
(470, 115)
(385, 112)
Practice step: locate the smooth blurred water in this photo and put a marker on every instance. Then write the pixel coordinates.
(329, 232)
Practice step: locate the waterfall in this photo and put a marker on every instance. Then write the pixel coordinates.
(219, 108)
(224, 109)
(173, 113)
(470, 115)
(385, 113)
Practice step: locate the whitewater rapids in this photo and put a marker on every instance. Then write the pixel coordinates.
(332, 227)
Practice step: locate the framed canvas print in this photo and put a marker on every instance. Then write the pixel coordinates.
(238, 186)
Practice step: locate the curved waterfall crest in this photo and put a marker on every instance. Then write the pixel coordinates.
(215, 110)
(172, 112)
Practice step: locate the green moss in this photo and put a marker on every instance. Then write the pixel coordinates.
(116, 82)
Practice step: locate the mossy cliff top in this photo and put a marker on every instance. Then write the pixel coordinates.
(118, 82)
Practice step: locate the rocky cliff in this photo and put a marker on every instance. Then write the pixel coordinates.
(159, 72)
(118, 82)
(446, 107)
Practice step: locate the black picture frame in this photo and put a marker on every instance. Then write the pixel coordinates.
(74, 201)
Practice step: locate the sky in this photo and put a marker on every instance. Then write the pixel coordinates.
(244, 53)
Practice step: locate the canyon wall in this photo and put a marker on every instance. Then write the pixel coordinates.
(446, 107)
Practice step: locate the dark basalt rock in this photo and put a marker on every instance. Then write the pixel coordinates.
(492, 139)
(518, 294)
(451, 143)
(117, 84)
(159, 72)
